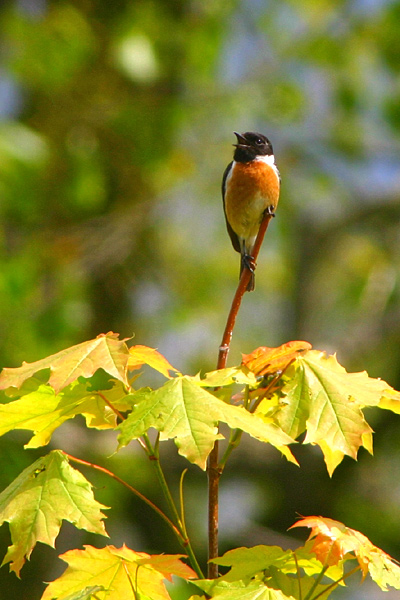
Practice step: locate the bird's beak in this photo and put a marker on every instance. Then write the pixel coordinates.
(241, 140)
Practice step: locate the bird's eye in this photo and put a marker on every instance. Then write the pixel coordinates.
(259, 142)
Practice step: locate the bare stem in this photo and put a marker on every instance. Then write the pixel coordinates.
(213, 467)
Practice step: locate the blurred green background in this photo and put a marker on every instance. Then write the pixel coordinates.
(116, 121)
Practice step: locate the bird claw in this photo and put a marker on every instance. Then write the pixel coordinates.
(269, 211)
(249, 262)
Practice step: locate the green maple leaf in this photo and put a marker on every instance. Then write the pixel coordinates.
(264, 570)
(41, 410)
(106, 351)
(246, 563)
(37, 501)
(181, 409)
(121, 573)
(326, 401)
(224, 377)
(237, 590)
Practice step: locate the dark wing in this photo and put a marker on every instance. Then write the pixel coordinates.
(232, 234)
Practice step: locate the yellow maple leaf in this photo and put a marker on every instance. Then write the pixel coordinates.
(119, 572)
(143, 355)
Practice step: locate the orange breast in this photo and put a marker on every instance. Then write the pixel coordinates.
(250, 189)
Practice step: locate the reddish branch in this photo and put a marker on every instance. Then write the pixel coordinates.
(213, 469)
(133, 490)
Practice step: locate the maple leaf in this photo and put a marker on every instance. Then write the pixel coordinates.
(225, 377)
(263, 569)
(246, 563)
(89, 593)
(333, 542)
(42, 410)
(106, 351)
(121, 573)
(390, 401)
(37, 501)
(326, 401)
(264, 360)
(143, 355)
(237, 590)
(182, 410)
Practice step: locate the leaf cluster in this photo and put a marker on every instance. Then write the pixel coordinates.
(276, 395)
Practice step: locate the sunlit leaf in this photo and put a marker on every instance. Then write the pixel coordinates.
(106, 351)
(326, 401)
(37, 501)
(186, 412)
(89, 593)
(121, 573)
(143, 355)
(390, 401)
(334, 542)
(264, 360)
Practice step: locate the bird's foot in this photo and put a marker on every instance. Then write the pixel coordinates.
(270, 210)
(249, 262)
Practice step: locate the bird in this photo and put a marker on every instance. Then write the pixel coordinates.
(250, 189)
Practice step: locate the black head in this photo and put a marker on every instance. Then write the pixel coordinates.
(250, 145)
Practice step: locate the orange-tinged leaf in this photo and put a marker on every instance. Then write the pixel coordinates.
(106, 351)
(328, 553)
(143, 355)
(121, 572)
(334, 542)
(168, 565)
(264, 360)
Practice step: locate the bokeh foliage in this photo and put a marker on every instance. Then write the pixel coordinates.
(116, 125)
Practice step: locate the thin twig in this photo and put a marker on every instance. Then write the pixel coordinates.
(155, 460)
(298, 575)
(336, 583)
(115, 410)
(154, 456)
(130, 488)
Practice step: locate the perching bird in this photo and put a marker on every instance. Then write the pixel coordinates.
(250, 187)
